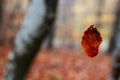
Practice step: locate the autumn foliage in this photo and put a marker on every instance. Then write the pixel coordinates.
(91, 41)
(63, 64)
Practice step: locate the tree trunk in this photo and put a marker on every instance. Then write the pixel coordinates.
(36, 26)
(115, 47)
(99, 12)
(115, 72)
(1, 8)
(115, 29)
(1, 14)
(51, 38)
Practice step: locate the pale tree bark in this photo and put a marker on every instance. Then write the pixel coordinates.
(36, 26)
(115, 42)
(99, 12)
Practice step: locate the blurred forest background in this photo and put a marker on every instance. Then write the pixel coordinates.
(73, 18)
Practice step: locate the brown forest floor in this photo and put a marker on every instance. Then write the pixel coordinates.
(64, 64)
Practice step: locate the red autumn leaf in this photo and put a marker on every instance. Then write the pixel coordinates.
(91, 41)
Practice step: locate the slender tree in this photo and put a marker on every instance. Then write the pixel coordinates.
(99, 12)
(1, 8)
(1, 12)
(115, 47)
(36, 26)
(115, 29)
